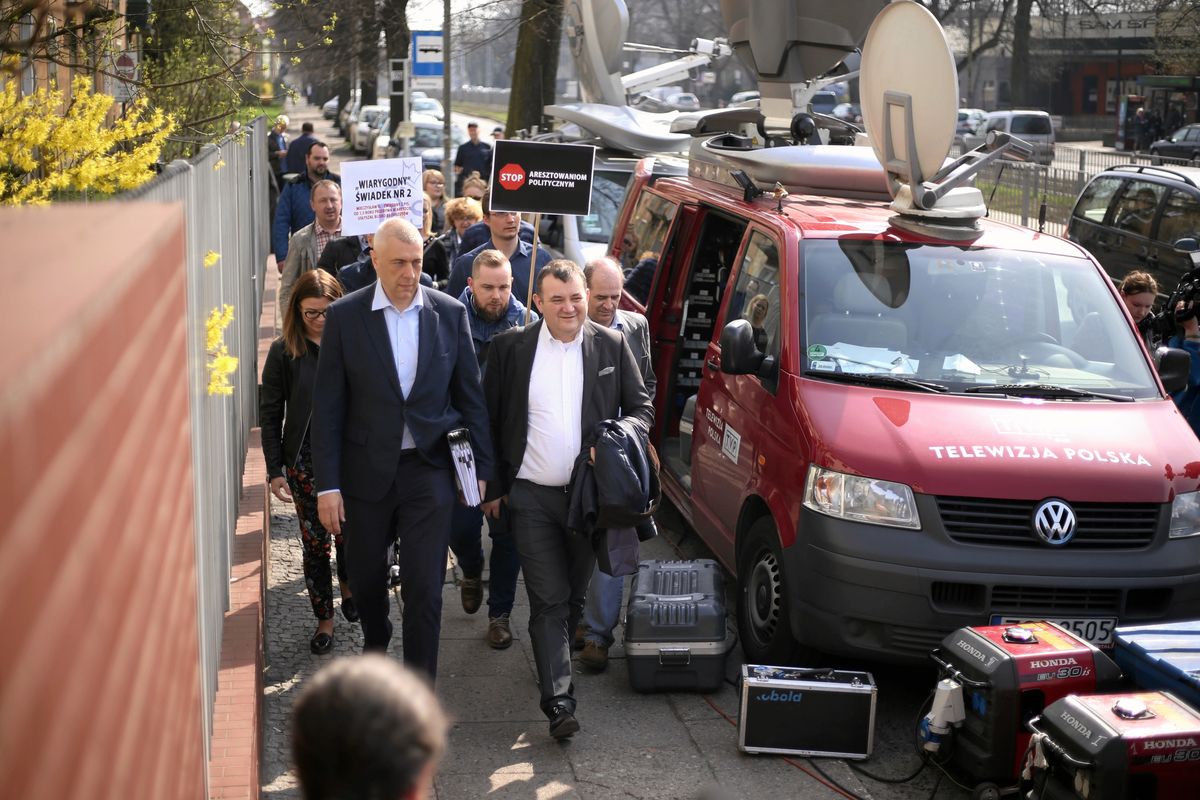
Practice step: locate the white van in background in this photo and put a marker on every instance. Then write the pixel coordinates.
(1034, 127)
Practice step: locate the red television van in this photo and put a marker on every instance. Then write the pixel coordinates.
(879, 429)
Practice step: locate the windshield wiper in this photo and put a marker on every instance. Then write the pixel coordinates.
(869, 379)
(1044, 390)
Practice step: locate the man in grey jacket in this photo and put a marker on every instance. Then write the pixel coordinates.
(605, 281)
(308, 242)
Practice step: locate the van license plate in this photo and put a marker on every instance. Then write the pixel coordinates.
(1097, 630)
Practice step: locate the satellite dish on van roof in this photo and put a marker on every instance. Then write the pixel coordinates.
(906, 60)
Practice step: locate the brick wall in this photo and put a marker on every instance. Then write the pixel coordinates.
(99, 678)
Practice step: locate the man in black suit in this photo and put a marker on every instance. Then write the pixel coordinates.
(397, 371)
(547, 385)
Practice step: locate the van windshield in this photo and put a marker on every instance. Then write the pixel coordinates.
(964, 317)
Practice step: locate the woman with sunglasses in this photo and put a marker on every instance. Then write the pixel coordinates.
(285, 411)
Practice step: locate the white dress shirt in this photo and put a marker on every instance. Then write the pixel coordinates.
(404, 332)
(555, 411)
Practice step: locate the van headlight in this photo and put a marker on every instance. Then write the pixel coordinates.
(860, 499)
(1185, 515)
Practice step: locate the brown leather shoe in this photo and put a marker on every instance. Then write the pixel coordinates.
(580, 632)
(471, 590)
(594, 657)
(499, 635)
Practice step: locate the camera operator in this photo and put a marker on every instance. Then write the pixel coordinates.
(1138, 291)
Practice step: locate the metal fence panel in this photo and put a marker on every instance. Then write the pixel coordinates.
(224, 194)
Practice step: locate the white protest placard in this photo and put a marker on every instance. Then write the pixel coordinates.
(373, 191)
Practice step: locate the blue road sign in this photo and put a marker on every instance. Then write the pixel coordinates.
(427, 54)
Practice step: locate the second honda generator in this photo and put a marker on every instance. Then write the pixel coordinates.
(1134, 746)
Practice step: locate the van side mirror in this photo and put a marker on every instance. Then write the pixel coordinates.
(1171, 363)
(739, 356)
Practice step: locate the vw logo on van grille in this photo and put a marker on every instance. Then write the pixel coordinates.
(1054, 522)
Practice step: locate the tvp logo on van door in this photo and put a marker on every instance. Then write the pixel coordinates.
(542, 177)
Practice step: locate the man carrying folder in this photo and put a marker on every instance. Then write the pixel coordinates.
(397, 372)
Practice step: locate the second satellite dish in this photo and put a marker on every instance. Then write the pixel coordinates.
(906, 52)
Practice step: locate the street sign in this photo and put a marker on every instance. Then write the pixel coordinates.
(124, 69)
(542, 177)
(427, 63)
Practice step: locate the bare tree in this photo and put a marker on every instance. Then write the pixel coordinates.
(535, 65)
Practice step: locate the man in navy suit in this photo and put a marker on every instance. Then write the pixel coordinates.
(397, 371)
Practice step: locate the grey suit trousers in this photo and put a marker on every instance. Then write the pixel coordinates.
(557, 565)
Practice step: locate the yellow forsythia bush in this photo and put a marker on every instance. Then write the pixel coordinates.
(48, 152)
(220, 364)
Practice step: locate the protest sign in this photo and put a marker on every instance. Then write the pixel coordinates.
(542, 177)
(373, 191)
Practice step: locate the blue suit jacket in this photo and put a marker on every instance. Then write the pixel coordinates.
(359, 410)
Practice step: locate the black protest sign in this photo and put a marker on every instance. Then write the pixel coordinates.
(542, 177)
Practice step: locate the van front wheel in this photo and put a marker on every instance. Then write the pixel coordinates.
(764, 622)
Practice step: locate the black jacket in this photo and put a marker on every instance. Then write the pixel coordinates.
(620, 490)
(285, 404)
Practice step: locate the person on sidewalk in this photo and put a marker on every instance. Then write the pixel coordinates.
(294, 209)
(434, 185)
(603, 609)
(505, 228)
(297, 150)
(472, 156)
(285, 404)
(308, 243)
(397, 373)
(366, 727)
(491, 310)
(547, 386)
(277, 147)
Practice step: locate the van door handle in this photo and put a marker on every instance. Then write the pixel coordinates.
(712, 364)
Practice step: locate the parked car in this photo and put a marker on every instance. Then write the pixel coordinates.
(823, 102)
(1031, 126)
(863, 416)
(330, 109)
(368, 117)
(969, 120)
(348, 115)
(377, 141)
(684, 101)
(1133, 217)
(851, 112)
(427, 142)
(742, 97)
(426, 105)
(1184, 143)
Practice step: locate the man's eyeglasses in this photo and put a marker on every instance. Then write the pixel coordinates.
(313, 313)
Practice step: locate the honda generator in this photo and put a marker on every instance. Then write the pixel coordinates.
(1135, 746)
(994, 679)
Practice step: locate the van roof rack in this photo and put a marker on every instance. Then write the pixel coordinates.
(1144, 168)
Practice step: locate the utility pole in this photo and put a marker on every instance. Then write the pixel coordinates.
(447, 171)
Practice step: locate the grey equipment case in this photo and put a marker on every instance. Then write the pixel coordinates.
(807, 712)
(675, 633)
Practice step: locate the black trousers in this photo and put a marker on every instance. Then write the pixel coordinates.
(557, 566)
(416, 511)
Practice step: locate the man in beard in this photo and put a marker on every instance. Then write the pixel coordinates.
(491, 309)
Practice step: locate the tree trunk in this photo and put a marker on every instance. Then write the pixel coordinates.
(393, 16)
(535, 65)
(1020, 56)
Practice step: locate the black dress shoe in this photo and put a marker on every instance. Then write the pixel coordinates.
(349, 609)
(563, 724)
(322, 643)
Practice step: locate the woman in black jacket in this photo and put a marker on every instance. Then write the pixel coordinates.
(285, 410)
